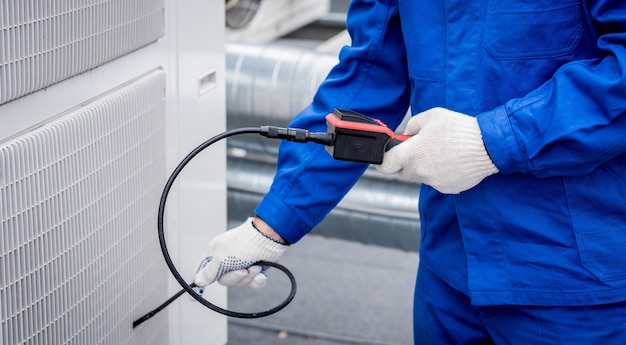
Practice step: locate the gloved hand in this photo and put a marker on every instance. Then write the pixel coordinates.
(446, 151)
(232, 254)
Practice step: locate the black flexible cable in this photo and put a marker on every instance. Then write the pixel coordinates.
(291, 134)
(149, 315)
(283, 304)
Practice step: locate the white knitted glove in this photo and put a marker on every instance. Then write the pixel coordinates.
(232, 254)
(446, 151)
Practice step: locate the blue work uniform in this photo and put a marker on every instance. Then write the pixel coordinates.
(546, 80)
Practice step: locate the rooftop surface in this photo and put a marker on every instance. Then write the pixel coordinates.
(347, 293)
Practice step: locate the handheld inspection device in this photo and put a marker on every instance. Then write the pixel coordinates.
(360, 138)
(350, 136)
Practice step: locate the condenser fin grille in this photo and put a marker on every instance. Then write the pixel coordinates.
(43, 42)
(79, 253)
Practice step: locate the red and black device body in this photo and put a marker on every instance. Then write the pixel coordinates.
(360, 138)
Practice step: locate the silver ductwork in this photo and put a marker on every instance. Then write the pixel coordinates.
(268, 85)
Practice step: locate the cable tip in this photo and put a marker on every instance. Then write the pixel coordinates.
(140, 320)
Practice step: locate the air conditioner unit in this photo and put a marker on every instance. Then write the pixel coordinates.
(98, 103)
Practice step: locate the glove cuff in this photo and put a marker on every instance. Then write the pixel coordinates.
(256, 244)
(476, 160)
(266, 235)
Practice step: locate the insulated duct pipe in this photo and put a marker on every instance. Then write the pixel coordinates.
(271, 83)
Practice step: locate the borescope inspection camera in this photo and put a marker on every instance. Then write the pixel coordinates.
(359, 138)
(350, 136)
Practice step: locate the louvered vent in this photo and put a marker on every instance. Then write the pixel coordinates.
(45, 41)
(79, 254)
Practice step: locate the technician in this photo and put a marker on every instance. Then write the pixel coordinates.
(519, 141)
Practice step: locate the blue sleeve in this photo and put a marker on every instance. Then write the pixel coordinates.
(371, 77)
(576, 120)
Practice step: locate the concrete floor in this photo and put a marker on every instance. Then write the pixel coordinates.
(348, 293)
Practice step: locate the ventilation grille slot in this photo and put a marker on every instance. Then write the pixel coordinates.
(43, 42)
(79, 253)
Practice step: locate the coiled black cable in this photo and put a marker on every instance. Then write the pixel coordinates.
(291, 134)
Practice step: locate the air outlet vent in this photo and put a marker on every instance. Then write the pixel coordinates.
(43, 42)
(79, 255)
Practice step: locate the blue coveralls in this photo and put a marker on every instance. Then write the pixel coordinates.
(546, 80)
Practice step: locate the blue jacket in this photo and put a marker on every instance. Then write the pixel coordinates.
(547, 81)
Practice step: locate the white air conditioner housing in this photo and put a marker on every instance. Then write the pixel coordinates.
(99, 100)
